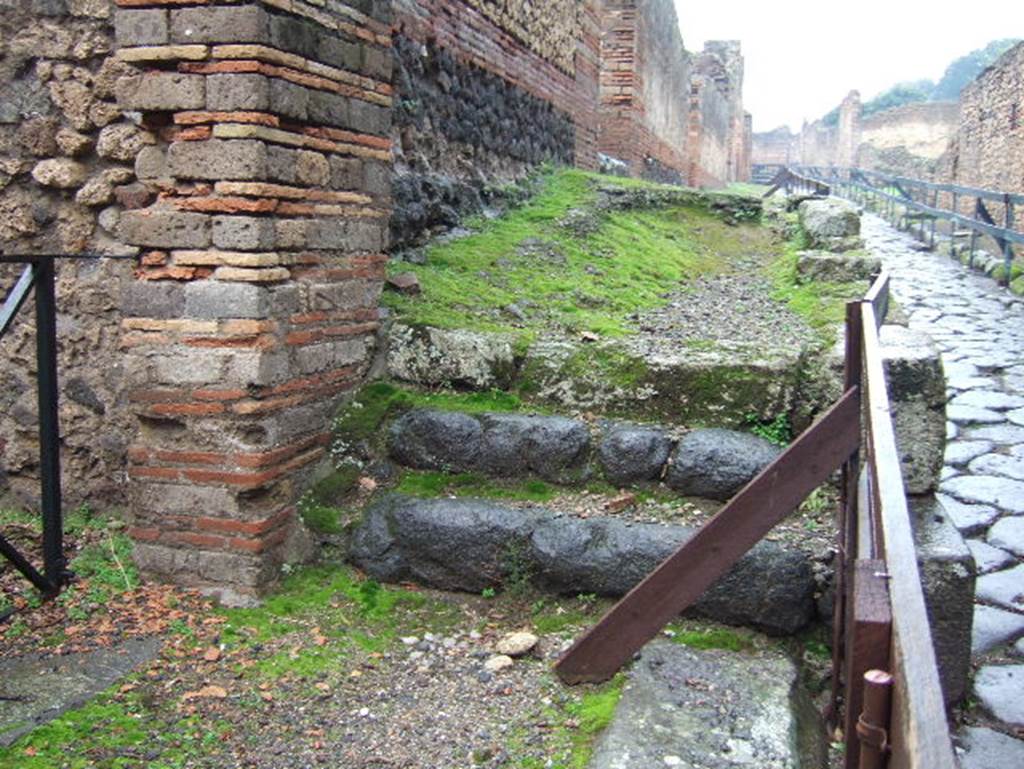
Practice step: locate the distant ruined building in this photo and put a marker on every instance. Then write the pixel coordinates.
(256, 161)
(485, 91)
(978, 141)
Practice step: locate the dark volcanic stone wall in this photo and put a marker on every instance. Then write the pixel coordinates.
(485, 92)
(451, 114)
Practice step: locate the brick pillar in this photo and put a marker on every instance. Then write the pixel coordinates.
(255, 300)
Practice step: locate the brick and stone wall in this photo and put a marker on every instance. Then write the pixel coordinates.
(645, 87)
(989, 147)
(242, 153)
(485, 91)
(242, 158)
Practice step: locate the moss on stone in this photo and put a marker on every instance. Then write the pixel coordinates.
(540, 270)
(822, 305)
(440, 484)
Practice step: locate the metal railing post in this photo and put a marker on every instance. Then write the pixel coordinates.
(1007, 246)
(49, 427)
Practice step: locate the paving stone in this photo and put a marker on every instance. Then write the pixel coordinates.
(952, 431)
(1005, 434)
(969, 519)
(962, 452)
(989, 749)
(1008, 534)
(948, 472)
(1003, 493)
(957, 369)
(712, 709)
(989, 399)
(1018, 648)
(967, 415)
(1000, 690)
(39, 688)
(970, 382)
(998, 464)
(1004, 588)
(1016, 416)
(994, 627)
(989, 558)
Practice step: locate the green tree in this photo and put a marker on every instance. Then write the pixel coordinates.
(963, 70)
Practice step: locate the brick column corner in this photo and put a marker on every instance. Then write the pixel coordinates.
(262, 215)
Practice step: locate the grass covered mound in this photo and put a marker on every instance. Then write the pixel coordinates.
(562, 263)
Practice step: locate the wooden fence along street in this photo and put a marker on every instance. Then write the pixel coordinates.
(906, 202)
(884, 667)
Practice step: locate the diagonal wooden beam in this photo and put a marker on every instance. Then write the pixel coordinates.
(684, 576)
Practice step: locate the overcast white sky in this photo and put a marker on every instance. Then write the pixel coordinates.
(804, 56)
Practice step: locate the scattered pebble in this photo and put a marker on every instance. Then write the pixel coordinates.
(516, 644)
(498, 662)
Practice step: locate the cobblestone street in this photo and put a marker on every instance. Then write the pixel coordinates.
(979, 328)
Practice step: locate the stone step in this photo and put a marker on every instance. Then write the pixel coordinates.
(716, 387)
(472, 545)
(711, 709)
(713, 463)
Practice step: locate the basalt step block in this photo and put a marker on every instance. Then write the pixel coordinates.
(713, 463)
(470, 545)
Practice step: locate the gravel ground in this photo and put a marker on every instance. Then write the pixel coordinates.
(732, 311)
(429, 703)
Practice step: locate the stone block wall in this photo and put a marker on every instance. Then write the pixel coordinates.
(244, 160)
(645, 87)
(66, 154)
(485, 91)
(989, 147)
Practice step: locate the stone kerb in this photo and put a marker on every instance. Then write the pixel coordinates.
(261, 210)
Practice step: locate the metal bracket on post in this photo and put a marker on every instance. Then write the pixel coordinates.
(873, 723)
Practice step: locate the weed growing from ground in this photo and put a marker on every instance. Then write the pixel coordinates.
(777, 430)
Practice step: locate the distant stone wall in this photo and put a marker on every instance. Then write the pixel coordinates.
(645, 80)
(906, 140)
(778, 147)
(710, 125)
(241, 154)
(818, 145)
(922, 129)
(989, 145)
(718, 126)
(486, 92)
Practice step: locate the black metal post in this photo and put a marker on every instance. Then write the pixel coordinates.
(49, 428)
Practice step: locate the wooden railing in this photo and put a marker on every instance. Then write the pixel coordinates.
(908, 201)
(790, 181)
(884, 661)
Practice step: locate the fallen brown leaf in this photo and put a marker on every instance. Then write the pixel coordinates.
(207, 692)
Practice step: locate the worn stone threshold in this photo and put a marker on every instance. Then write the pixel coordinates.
(712, 709)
